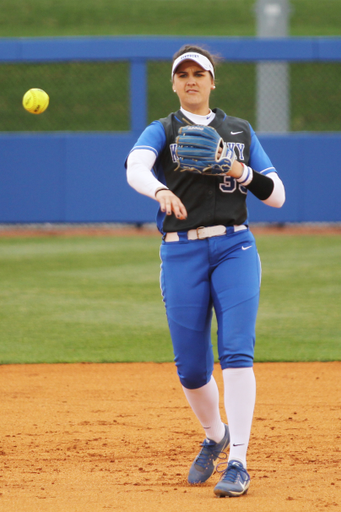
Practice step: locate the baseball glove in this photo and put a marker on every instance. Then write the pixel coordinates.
(198, 149)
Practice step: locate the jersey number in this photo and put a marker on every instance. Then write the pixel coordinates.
(230, 185)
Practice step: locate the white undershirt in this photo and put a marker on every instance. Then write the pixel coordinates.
(196, 119)
(141, 162)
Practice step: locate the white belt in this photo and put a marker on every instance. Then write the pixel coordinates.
(202, 232)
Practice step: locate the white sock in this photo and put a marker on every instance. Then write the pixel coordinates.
(205, 405)
(239, 399)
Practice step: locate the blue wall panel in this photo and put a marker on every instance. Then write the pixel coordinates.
(75, 177)
(68, 178)
(322, 183)
(96, 186)
(31, 178)
(284, 153)
(306, 164)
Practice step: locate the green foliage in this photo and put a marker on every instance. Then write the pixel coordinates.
(160, 17)
(83, 96)
(93, 96)
(315, 96)
(314, 18)
(98, 300)
(113, 17)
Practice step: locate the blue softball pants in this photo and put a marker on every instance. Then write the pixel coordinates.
(223, 273)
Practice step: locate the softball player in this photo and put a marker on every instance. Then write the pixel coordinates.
(209, 261)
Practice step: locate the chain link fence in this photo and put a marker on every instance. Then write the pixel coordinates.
(94, 96)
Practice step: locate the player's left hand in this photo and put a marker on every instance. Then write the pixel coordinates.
(200, 149)
(170, 203)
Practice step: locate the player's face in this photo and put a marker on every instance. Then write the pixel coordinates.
(193, 86)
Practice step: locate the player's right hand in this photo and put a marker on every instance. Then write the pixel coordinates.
(170, 203)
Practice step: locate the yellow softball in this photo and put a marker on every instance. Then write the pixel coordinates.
(35, 101)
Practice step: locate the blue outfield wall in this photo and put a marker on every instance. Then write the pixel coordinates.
(80, 177)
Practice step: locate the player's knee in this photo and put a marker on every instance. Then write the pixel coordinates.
(236, 361)
(191, 378)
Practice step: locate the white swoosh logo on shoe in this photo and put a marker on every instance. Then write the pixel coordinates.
(245, 248)
(243, 485)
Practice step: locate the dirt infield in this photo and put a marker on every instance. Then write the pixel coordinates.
(93, 437)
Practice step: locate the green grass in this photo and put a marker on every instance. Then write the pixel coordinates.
(299, 316)
(98, 300)
(22, 18)
(81, 300)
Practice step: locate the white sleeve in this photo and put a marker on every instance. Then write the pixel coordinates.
(277, 197)
(140, 163)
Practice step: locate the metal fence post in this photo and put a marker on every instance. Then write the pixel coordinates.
(272, 102)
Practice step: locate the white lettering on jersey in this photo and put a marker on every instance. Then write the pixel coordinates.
(239, 147)
(172, 148)
(230, 185)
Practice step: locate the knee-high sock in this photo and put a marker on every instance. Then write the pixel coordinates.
(204, 402)
(239, 399)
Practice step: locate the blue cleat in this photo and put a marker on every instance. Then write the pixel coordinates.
(235, 480)
(203, 466)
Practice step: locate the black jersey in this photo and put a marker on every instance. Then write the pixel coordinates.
(209, 200)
